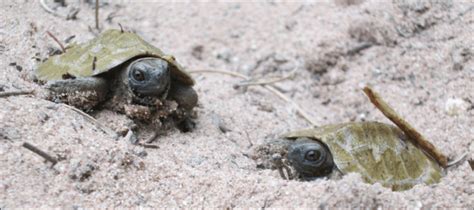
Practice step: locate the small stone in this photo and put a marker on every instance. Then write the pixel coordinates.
(235, 34)
(266, 107)
(197, 52)
(42, 117)
(217, 120)
(460, 57)
(234, 59)
(247, 67)
(196, 161)
(253, 46)
(131, 137)
(82, 171)
(139, 151)
(455, 106)
(224, 55)
(279, 58)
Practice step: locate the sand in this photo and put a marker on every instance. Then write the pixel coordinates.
(421, 59)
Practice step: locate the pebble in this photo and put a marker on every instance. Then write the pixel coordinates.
(223, 54)
(455, 106)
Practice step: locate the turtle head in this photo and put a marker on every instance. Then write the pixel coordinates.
(310, 158)
(149, 77)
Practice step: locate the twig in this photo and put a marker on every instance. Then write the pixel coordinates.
(69, 39)
(16, 93)
(230, 73)
(359, 48)
(410, 131)
(265, 203)
(152, 137)
(40, 153)
(49, 10)
(97, 14)
(457, 161)
(92, 120)
(150, 146)
(266, 82)
(268, 87)
(94, 61)
(121, 28)
(57, 41)
(297, 107)
(248, 139)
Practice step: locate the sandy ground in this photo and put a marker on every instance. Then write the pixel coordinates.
(420, 59)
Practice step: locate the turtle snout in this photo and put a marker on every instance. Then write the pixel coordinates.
(161, 73)
(157, 85)
(160, 82)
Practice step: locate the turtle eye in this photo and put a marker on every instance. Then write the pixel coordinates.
(312, 155)
(138, 75)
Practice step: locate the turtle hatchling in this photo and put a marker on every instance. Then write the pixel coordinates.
(120, 71)
(379, 152)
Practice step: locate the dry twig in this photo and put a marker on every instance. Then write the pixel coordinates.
(92, 120)
(121, 28)
(266, 82)
(150, 146)
(248, 139)
(268, 87)
(97, 14)
(152, 137)
(94, 61)
(457, 161)
(358, 48)
(410, 131)
(63, 49)
(40, 153)
(15, 93)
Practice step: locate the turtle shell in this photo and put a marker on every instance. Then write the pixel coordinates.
(379, 152)
(101, 54)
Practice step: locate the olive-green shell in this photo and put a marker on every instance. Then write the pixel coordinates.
(110, 49)
(379, 152)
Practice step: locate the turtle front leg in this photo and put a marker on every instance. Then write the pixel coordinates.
(187, 99)
(185, 96)
(83, 93)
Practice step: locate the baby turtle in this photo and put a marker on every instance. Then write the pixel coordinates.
(120, 71)
(397, 157)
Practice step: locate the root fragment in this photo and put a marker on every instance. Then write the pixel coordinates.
(92, 120)
(16, 93)
(63, 49)
(41, 153)
(299, 110)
